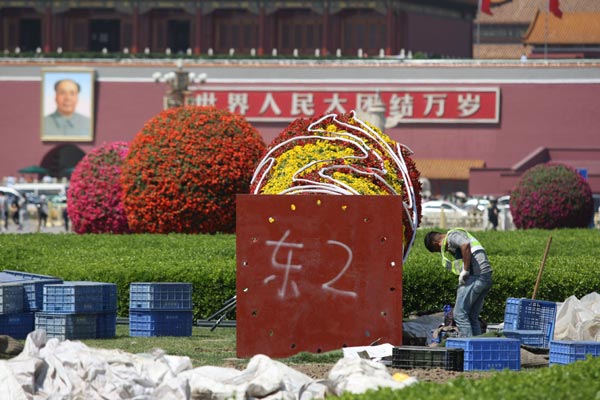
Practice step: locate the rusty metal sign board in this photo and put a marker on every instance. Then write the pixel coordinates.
(317, 273)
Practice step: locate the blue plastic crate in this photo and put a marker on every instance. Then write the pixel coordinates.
(67, 326)
(33, 284)
(17, 325)
(483, 353)
(527, 314)
(160, 296)
(34, 293)
(568, 351)
(106, 325)
(73, 297)
(109, 297)
(527, 337)
(80, 297)
(11, 298)
(160, 323)
(8, 275)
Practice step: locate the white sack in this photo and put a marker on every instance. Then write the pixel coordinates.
(578, 319)
(55, 370)
(265, 376)
(357, 375)
(9, 386)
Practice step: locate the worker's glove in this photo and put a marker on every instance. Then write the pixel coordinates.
(462, 278)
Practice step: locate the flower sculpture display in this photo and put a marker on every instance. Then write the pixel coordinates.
(551, 196)
(94, 197)
(341, 155)
(185, 168)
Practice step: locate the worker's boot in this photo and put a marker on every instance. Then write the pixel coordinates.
(10, 346)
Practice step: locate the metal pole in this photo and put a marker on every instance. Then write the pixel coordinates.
(546, 33)
(478, 22)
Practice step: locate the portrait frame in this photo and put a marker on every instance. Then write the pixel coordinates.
(78, 125)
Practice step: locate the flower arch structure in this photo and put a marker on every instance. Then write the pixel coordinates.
(339, 154)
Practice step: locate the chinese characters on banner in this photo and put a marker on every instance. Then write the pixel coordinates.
(403, 105)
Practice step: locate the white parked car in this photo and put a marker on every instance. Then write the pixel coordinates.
(434, 208)
(480, 204)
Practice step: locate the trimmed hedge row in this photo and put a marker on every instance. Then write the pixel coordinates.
(208, 262)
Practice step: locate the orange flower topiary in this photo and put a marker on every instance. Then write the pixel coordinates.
(184, 169)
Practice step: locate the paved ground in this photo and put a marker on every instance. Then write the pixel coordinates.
(31, 226)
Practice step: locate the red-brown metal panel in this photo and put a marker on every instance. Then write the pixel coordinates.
(317, 273)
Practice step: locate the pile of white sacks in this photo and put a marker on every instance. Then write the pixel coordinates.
(51, 369)
(578, 319)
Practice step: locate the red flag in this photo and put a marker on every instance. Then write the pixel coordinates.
(484, 6)
(554, 8)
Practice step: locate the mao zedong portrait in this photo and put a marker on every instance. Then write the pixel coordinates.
(65, 121)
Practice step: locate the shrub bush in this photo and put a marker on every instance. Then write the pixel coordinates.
(94, 196)
(551, 196)
(340, 154)
(209, 263)
(184, 169)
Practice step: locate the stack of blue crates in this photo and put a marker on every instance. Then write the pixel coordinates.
(14, 321)
(79, 310)
(20, 298)
(160, 309)
(568, 351)
(33, 285)
(530, 321)
(486, 353)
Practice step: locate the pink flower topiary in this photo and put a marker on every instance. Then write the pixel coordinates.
(94, 197)
(551, 196)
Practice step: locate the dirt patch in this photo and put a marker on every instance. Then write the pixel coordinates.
(438, 375)
(321, 371)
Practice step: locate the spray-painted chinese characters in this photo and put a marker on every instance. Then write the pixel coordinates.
(288, 267)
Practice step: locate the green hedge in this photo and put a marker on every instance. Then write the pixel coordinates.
(208, 262)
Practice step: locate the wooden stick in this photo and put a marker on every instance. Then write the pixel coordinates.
(539, 277)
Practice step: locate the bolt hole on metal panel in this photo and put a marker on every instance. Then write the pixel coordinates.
(317, 273)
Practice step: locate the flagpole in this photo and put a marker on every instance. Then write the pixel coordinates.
(546, 33)
(477, 15)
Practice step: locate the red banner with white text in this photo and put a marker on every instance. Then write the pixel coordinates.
(405, 105)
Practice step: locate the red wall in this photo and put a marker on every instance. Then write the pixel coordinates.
(121, 111)
(446, 39)
(532, 116)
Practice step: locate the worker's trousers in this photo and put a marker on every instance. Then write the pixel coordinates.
(469, 302)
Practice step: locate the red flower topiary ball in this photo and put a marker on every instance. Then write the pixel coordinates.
(185, 168)
(94, 196)
(550, 196)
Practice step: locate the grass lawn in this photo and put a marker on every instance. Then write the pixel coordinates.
(204, 347)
